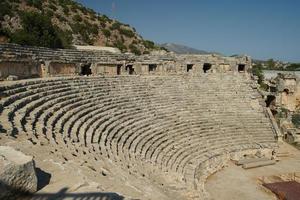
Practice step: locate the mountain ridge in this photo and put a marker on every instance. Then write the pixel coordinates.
(183, 49)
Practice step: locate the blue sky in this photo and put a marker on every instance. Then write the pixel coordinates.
(260, 28)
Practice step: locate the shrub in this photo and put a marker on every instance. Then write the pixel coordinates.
(257, 71)
(60, 18)
(66, 10)
(86, 38)
(120, 45)
(83, 9)
(93, 17)
(65, 3)
(149, 44)
(65, 37)
(4, 32)
(296, 120)
(5, 9)
(103, 18)
(126, 32)
(50, 13)
(36, 3)
(77, 18)
(84, 30)
(134, 49)
(102, 24)
(106, 32)
(37, 31)
(74, 8)
(293, 67)
(163, 48)
(52, 7)
(116, 26)
(94, 29)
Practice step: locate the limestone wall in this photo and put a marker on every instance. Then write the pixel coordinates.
(29, 62)
(104, 69)
(20, 69)
(62, 69)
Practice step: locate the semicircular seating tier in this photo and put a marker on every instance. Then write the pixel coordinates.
(174, 123)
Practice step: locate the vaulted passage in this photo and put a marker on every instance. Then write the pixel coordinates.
(189, 67)
(129, 69)
(119, 69)
(241, 68)
(270, 100)
(206, 67)
(152, 67)
(86, 70)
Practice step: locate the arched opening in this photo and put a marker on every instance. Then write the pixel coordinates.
(119, 69)
(206, 67)
(270, 100)
(189, 67)
(152, 67)
(285, 97)
(86, 70)
(241, 68)
(42, 69)
(129, 69)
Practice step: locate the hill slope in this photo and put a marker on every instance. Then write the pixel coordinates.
(63, 23)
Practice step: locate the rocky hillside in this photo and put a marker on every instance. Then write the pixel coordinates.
(64, 23)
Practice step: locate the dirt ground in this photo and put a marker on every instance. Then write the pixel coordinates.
(235, 183)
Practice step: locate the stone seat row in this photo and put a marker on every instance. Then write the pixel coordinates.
(129, 121)
(39, 50)
(29, 100)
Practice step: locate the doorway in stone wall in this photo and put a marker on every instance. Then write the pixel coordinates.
(129, 69)
(206, 67)
(152, 67)
(119, 67)
(189, 67)
(86, 70)
(42, 69)
(241, 68)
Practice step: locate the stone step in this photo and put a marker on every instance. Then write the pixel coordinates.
(251, 160)
(259, 164)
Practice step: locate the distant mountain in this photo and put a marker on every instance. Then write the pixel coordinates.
(181, 49)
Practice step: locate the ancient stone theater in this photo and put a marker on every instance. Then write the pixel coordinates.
(99, 124)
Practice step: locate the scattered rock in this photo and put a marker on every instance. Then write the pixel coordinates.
(12, 78)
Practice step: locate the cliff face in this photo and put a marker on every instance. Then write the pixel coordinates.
(63, 23)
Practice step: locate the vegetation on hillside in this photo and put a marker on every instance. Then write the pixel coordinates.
(296, 120)
(271, 64)
(293, 67)
(257, 71)
(37, 31)
(63, 23)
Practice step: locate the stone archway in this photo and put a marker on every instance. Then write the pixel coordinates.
(86, 70)
(206, 67)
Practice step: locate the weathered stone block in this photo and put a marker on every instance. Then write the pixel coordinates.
(17, 173)
(12, 78)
